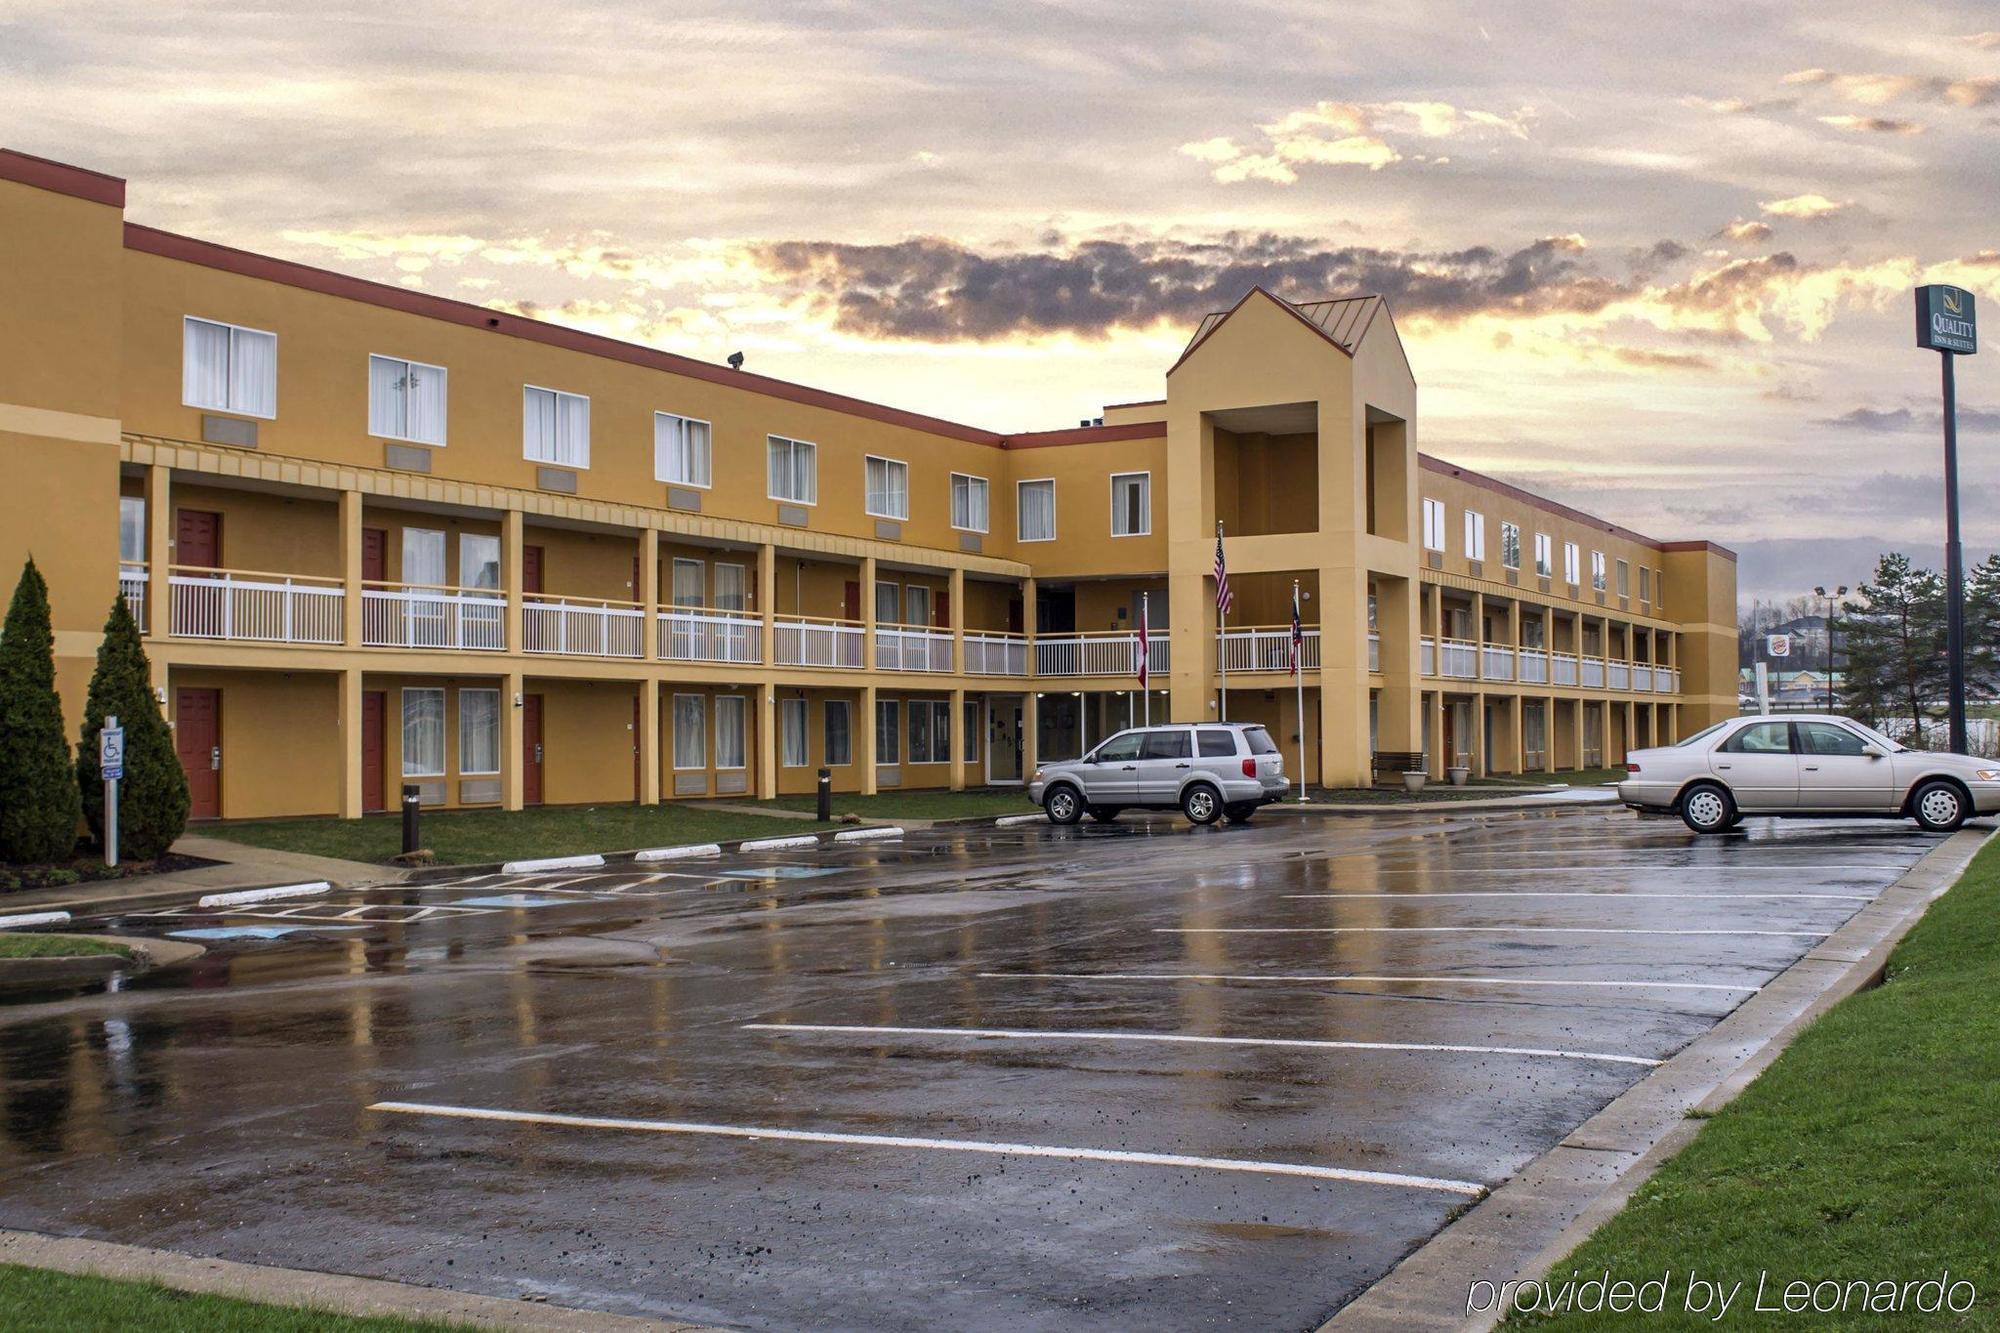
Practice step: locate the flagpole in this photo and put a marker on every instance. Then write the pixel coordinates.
(1146, 648)
(1222, 624)
(1299, 676)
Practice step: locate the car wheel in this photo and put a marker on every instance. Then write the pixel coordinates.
(1939, 806)
(1706, 808)
(1063, 805)
(1105, 814)
(1201, 803)
(1239, 814)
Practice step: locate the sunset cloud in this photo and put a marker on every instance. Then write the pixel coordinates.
(1347, 134)
(1872, 124)
(1807, 206)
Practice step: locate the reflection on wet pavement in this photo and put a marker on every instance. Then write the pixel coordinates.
(1019, 1077)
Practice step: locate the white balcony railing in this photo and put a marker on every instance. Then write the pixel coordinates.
(396, 615)
(1460, 660)
(260, 608)
(912, 648)
(810, 642)
(132, 587)
(1534, 666)
(712, 636)
(582, 628)
(1269, 648)
(1565, 669)
(1496, 662)
(1112, 654)
(1642, 677)
(1620, 674)
(1667, 680)
(1592, 673)
(991, 653)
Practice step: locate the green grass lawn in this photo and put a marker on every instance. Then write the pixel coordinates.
(1866, 1151)
(35, 1300)
(987, 801)
(461, 837)
(55, 946)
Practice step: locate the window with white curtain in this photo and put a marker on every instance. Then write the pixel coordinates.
(729, 748)
(1131, 504)
(681, 452)
(423, 557)
(888, 487)
(423, 733)
(1475, 535)
(916, 604)
(478, 560)
(732, 588)
(406, 400)
(968, 502)
(1572, 564)
(1597, 570)
(793, 470)
(1433, 524)
(555, 427)
(1035, 510)
(792, 717)
(132, 529)
(930, 731)
(688, 575)
(888, 603)
(839, 734)
(228, 368)
(888, 737)
(478, 732)
(690, 731)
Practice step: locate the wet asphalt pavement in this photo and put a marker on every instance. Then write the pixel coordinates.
(1394, 1011)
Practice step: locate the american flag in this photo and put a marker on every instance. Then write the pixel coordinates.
(1223, 598)
(1298, 635)
(1145, 655)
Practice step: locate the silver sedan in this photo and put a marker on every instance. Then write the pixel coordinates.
(1806, 764)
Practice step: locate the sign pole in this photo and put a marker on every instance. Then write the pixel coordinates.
(1299, 681)
(1146, 654)
(111, 766)
(1954, 564)
(1222, 623)
(1948, 324)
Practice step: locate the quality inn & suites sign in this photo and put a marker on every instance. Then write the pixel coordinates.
(1945, 320)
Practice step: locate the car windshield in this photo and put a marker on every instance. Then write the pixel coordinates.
(1260, 740)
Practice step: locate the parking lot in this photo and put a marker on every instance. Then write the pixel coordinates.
(1136, 1075)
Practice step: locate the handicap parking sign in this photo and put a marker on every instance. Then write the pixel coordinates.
(111, 752)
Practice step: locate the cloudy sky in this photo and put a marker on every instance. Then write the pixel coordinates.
(1655, 259)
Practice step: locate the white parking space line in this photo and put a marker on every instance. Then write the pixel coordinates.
(1476, 930)
(1191, 1039)
(1419, 895)
(1316, 979)
(1657, 867)
(1471, 1189)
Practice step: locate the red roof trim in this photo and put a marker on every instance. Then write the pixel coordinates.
(1530, 498)
(62, 178)
(1131, 430)
(208, 254)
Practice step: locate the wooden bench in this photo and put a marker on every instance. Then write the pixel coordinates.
(1390, 765)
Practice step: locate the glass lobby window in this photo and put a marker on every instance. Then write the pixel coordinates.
(1131, 504)
(839, 733)
(887, 487)
(793, 470)
(971, 731)
(228, 368)
(406, 400)
(690, 731)
(729, 747)
(681, 453)
(968, 502)
(423, 733)
(792, 732)
(478, 732)
(888, 737)
(1035, 510)
(555, 427)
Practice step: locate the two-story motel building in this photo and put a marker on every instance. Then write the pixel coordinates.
(377, 537)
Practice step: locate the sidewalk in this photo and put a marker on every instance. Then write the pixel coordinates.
(241, 867)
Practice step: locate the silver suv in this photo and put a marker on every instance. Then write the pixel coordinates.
(1207, 771)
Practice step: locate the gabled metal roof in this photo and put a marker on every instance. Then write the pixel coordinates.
(1344, 320)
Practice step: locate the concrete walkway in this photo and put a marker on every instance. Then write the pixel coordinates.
(240, 866)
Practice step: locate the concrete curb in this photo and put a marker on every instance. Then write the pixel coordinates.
(1531, 1223)
(276, 891)
(328, 1292)
(33, 919)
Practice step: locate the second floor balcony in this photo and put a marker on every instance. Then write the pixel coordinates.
(1463, 659)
